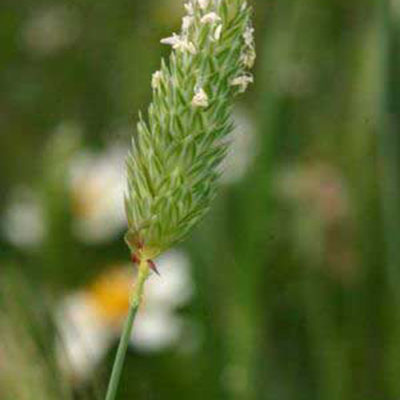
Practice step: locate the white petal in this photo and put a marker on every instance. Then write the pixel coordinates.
(174, 287)
(23, 222)
(97, 183)
(83, 337)
(156, 330)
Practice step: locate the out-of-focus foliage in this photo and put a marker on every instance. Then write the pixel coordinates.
(291, 287)
(29, 369)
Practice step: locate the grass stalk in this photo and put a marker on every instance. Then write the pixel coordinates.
(127, 330)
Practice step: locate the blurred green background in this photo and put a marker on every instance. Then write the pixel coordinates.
(290, 289)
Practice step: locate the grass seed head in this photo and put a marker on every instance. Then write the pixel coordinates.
(172, 168)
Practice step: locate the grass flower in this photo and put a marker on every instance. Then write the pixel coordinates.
(210, 18)
(242, 82)
(173, 166)
(156, 80)
(203, 4)
(187, 21)
(200, 99)
(179, 43)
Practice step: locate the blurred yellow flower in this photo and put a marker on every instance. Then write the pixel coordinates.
(110, 294)
(89, 320)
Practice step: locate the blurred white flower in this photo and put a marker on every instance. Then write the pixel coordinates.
(23, 222)
(51, 29)
(156, 330)
(158, 326)
(97, 183)
(83, 337)
(90, 321)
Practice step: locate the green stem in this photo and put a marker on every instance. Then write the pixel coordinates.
(126, 333)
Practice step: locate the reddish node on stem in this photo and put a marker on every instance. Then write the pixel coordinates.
(153, 267)
(135, 259)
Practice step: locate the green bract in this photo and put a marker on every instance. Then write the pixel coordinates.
(173, 165)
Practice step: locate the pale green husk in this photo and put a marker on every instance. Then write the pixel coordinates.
(172, 168)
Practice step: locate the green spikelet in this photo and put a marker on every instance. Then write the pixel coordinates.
(172, 167)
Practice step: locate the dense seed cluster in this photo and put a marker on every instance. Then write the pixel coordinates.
(172, 167)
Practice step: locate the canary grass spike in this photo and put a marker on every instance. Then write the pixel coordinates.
(172, 169)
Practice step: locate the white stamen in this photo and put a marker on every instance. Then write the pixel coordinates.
(172, 40)
(179, 43)
(200, 99)
(156, 79)
(189, 8)
(242, 81)
(217, 33)
(203, 3)
(210, 18)
(248, 36)
(186, 22)
(248, 58)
